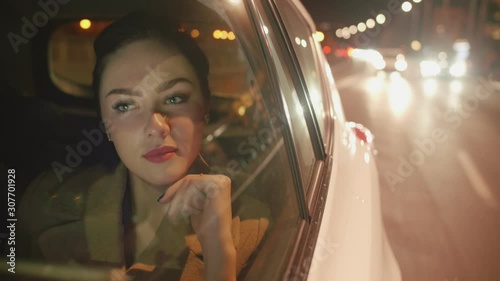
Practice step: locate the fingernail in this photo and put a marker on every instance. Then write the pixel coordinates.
(159, 198)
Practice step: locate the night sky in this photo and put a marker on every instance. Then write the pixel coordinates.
(353, 11)
(343, 11)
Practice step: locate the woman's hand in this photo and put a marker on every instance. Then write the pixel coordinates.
(206, 199)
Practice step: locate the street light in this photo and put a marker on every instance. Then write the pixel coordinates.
(85, 24)
(370, 23)
(361, 27)
(353, 30)
(380, 19)
(345, 33)
(406, 6)
(195, 33)
(217, 34)
(338, 33)
(319, 36)
(416, 45)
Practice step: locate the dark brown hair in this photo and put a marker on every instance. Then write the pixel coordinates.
(142, 25)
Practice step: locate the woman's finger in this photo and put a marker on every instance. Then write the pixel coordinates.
(195, 200)
(193, 193)
(170, 192)
(176, 203)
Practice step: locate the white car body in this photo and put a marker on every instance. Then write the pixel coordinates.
(351, 244)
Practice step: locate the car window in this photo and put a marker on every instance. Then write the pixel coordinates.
(306, 48)
(244, 138)
(294, 110)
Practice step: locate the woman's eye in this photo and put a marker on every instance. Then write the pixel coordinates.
(122, 107)
(177, 99)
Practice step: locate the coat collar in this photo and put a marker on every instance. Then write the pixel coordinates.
(103, 221)
(99, 230)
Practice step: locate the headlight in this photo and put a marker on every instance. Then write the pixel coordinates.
(458, 69)
(429, 68)
(379, 64)
(401, 65)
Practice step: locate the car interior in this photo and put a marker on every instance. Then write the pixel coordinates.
(48, 104)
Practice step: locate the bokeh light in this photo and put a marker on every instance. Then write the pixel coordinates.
(380, 19)
(327, 50)
(345, 33)
(195, 33)
(85, 24)
(217, 34)
(416, 45)
(361, 27)
(353, 29)
(370, 23)
(338, 33)
(319, 36)
(223, 35)
(406, 6)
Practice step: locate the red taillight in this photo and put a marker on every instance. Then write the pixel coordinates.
(327, 50)
(362, 133)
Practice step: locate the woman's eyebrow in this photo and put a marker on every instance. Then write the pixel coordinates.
(122, 91)
(169, 84)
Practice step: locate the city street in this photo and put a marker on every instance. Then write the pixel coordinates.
(439, 165)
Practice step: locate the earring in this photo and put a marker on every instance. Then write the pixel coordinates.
(207, 119)
(109, 136)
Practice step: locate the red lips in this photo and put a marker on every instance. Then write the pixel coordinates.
(161, 154)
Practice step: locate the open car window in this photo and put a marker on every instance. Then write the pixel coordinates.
(245, 136)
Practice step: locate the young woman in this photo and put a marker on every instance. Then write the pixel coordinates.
(160, 212)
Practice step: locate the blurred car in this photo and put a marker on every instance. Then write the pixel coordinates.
(279, 132)
(383, 59)
(391, 59)
(444, 64)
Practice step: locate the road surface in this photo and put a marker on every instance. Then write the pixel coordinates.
(438, 143)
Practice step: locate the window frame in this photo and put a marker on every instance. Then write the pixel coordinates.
(300, 260)
(287, 133)
(299, 82)
(326, 142)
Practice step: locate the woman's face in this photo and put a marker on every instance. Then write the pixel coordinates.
(154, 109)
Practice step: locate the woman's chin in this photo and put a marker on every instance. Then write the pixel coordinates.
(167, 178)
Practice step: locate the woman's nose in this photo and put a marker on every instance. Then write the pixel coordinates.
(159, 125)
